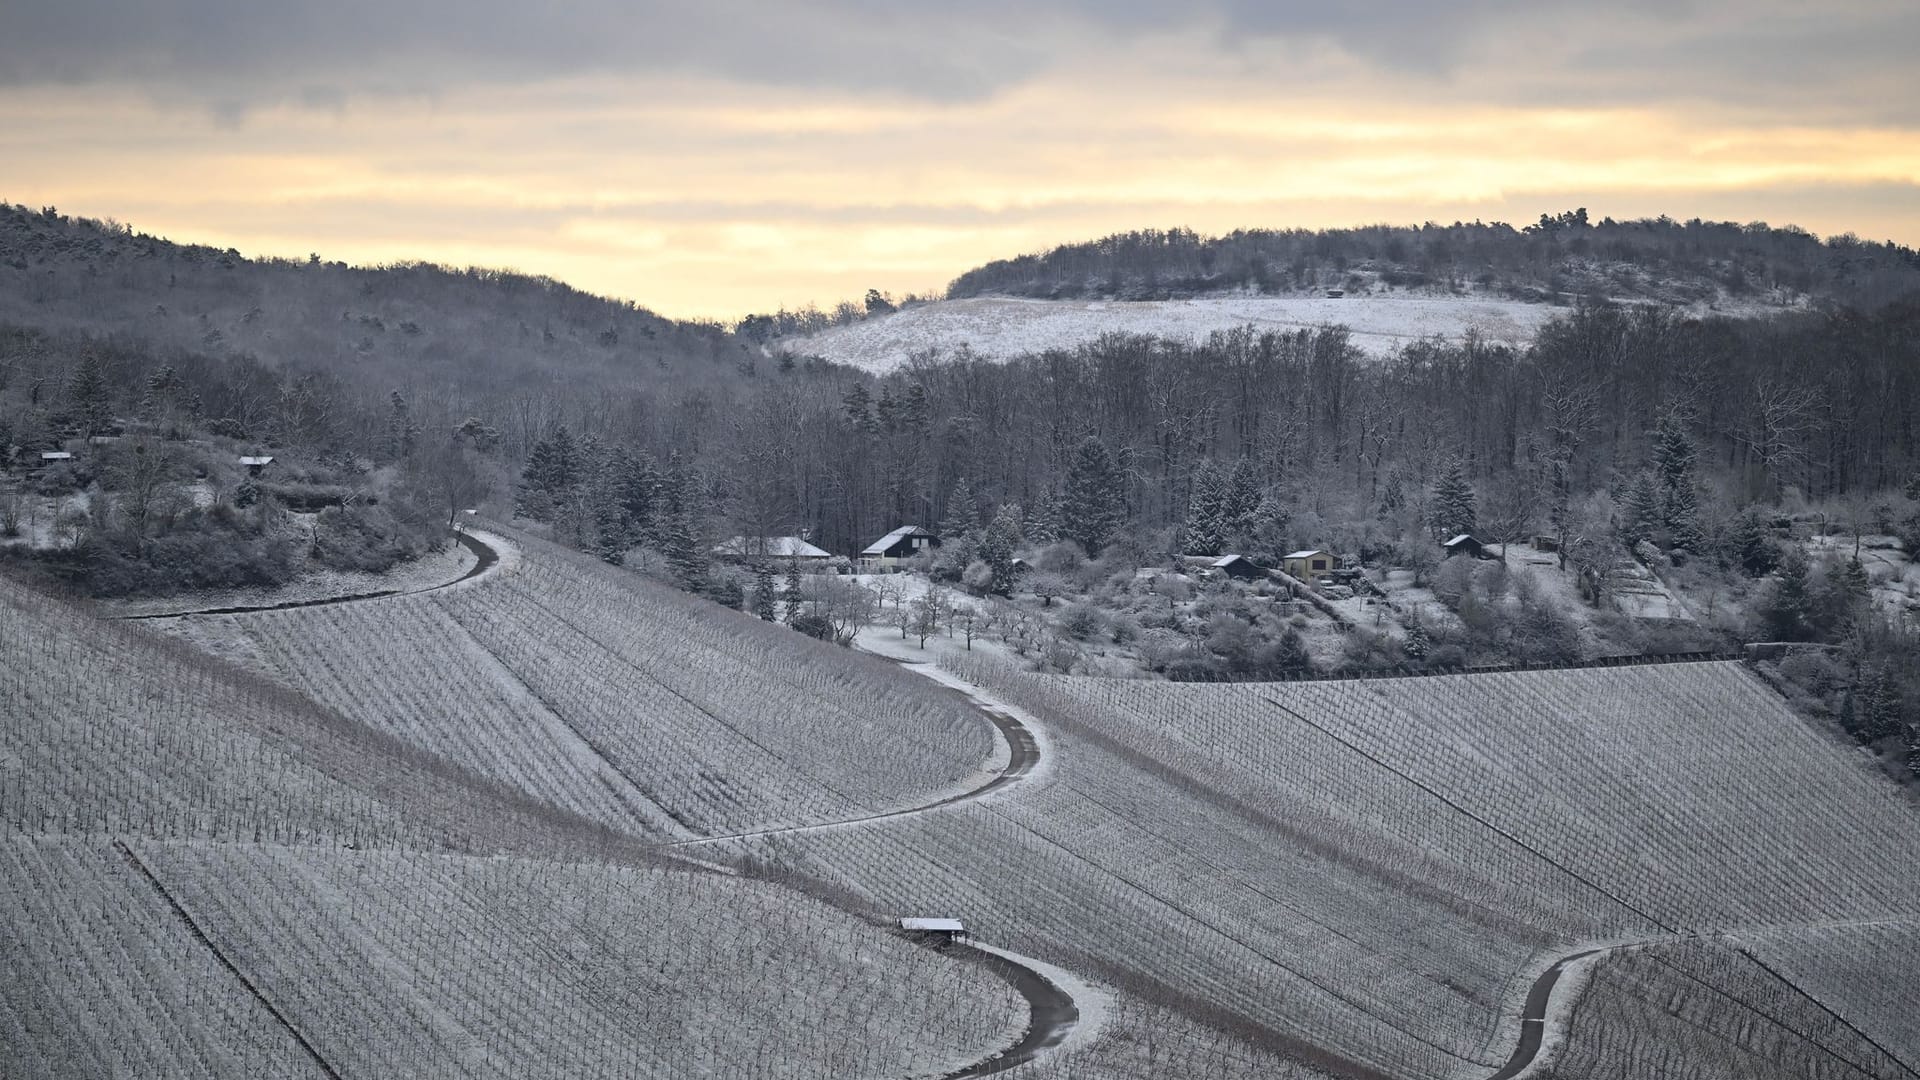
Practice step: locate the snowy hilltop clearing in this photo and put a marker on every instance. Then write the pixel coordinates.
(999, 327)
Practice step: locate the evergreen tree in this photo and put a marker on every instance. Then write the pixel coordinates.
(1877, 710)
(859, 409)
(1243, 497)
(763, 592)
(533, 497)
(1453, 501)
(92, 397)
(1750, 545)
(1673, 463)
(1208, 511)
(793, 603)
(1042, 525)
(963, 516)
(1787, 609)
(403, 434)
(1092, 511)
(997, 547)
(1640, 511)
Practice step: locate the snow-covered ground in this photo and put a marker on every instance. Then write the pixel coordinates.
(1004, 327)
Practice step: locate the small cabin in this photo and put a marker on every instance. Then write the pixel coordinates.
(51, 457)
(1310, 565)
(897, 547)
(1464, 544)
(254, 465)
(750, 548)
(1335, 294)
(1547, 544)
(946, 931)
(1238, 567)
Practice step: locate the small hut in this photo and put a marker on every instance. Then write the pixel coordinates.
(255, 465)
(1310, 564)
(947, 931)
(1464, 544)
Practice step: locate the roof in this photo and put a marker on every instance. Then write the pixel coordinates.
(778, 547)
(879, 547)
(1463, 538)
(256, 460)
(1228, 560)
(949, 925)
(1305, 554)
(55, 455)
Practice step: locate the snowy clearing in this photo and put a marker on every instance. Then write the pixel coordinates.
(1003, 327)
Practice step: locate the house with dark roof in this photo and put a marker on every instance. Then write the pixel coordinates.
(897, 547)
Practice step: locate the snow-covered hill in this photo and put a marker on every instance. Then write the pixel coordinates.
(1003, 327)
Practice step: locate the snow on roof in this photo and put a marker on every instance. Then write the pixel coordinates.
(880, 546)
(1458, 539)
(778, 547)
(1227, 560)
(256, 460)
(951, 926)
(1305, 554)
(55, 455)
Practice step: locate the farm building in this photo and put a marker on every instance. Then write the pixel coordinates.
(772, 547)
(1310, 564)
(255, 464)
(898, 546)
(950, 929)
(1464, 544)
(1239, 567)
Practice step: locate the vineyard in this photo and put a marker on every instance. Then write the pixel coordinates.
(442, 834)
(204, 873)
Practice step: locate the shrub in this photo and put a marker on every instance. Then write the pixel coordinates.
(367, 538)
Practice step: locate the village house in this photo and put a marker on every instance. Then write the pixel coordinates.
(897, 547)
(751, 548)
(1310, 565)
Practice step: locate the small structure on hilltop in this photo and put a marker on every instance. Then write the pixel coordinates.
(897, 547)
(945, 930)
(772, 547)
(1311, 564)
(1464, 544)
(255, 464)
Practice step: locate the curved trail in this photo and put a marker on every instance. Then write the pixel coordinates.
(1024, 754)
(1533, 1016)
(485, 556)
(1051, 1010)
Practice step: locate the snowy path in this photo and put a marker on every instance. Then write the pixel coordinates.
(486, 557)
(1023, 755)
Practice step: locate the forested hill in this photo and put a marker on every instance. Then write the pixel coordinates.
(454, 338)
(1558, 257)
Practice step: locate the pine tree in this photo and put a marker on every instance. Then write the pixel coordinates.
(963, 515)
(763, 592)
(1750, 546)
(1092, 510)
(793, 603)
(1877, 712)
(1453, 501)
(1042, 525)
(1243, 497)
(532, 496)
(1640, 512)
(1786, 611)
(1673, 463)
(997, 547)
(92, 398)
(1207, 511)
(859, 409)
(403, 434)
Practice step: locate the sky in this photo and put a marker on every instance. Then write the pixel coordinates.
(713, 158)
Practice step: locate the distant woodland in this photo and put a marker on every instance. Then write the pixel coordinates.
(1625, 423)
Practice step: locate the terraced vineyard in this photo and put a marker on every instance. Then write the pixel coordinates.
(447, 834)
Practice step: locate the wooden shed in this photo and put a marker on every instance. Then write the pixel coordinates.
(254, 464)
(1310, 564)
(1464, 544)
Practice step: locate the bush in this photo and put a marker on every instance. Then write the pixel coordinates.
(368, 538)
(1083, 621)
(205, 549)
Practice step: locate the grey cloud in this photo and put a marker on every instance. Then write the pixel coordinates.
(229, 54)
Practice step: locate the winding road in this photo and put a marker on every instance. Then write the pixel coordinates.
(485, 556)
(1533, 1016)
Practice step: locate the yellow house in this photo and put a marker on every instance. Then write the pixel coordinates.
(1310, 565)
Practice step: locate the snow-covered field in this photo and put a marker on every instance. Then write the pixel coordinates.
(1004, 327)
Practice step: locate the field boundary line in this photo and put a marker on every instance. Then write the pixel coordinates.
(1497, 830)
(134, 860)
